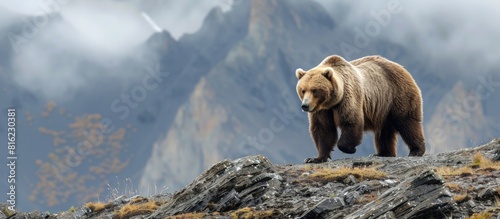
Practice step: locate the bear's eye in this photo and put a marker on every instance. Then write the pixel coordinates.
(303, 91)
(314, 91)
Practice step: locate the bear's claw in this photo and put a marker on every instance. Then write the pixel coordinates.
(315, 160)
(347, 150)
(416, 153)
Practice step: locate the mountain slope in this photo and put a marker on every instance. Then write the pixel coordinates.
(455, 184)
(246, 103)
(231, 104)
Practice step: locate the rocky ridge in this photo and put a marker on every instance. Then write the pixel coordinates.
(458, 184)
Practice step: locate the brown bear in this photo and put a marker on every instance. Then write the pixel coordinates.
(367, 94)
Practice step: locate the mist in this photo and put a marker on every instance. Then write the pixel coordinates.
(180, 17)
(459, 36)
(56, 44)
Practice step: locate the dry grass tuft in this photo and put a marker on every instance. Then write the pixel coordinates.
(454, 187)
(97, 206)
(450, 171)
(480, 165)
(250, 213)
(367, 198)
(138, 199)
(130, 210)
(497, 197)
(479, 161)
(461, 198)
(338, 174)
(189, 216)
(482, 215)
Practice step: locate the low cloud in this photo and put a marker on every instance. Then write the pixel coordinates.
(61, 52)
(58, 58)
(180, 17)
(461, 36)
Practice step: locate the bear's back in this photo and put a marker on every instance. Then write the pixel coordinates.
(386, 85)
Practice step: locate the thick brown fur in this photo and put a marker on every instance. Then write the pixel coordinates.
(367, 94)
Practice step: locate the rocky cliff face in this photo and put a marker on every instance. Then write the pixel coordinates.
(231, 105)
(245, 102)
(455, 184)
(458, 118)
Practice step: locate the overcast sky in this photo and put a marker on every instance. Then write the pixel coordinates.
(463, 34)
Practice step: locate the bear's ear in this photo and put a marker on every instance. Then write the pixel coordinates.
(299, 73)
(328, 73)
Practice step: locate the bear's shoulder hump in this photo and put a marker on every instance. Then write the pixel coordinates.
(335, 60)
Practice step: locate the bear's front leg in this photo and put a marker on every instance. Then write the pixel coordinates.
(352, 136)
(352, 126)
(324, 133)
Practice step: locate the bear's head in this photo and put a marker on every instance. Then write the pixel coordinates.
(319, 88)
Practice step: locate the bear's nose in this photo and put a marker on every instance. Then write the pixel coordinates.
(305, 107)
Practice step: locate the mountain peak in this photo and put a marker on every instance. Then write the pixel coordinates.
(286, 16)
(216, 15)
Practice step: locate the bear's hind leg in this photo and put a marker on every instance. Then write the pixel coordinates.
(413, 135)
(386, 141)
